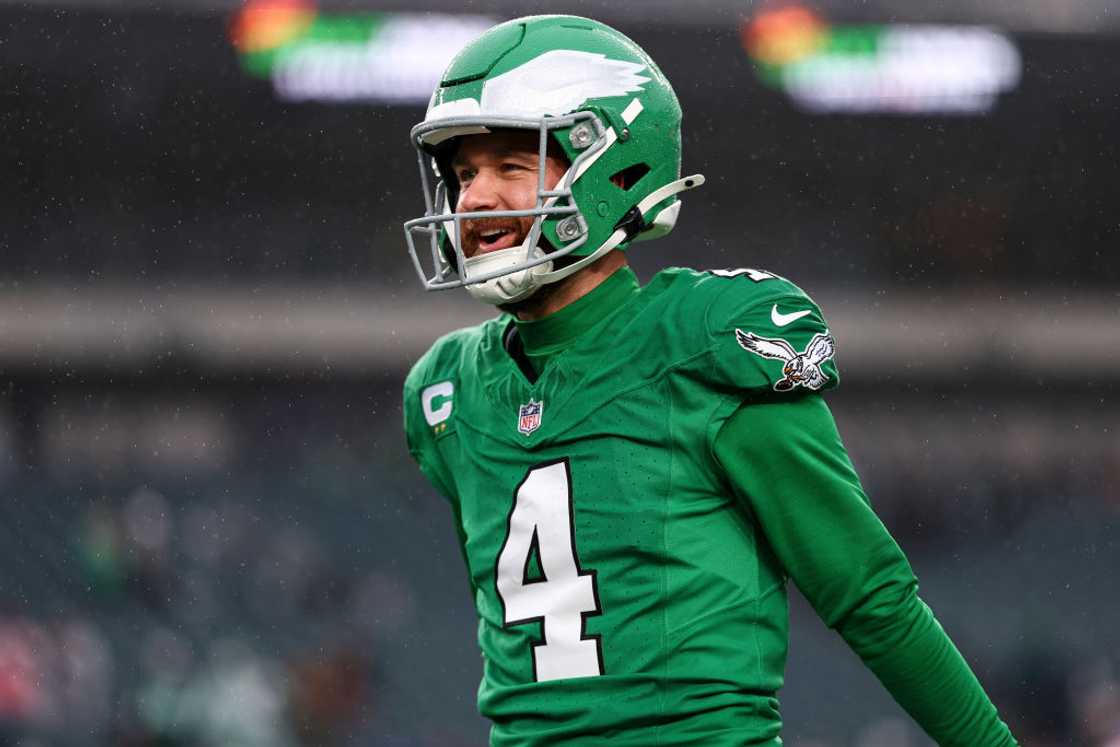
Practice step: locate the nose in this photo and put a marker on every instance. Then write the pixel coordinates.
(481, 193)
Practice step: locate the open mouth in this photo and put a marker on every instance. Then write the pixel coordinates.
(493, 239)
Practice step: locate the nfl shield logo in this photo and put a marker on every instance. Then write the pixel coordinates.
(529, 417)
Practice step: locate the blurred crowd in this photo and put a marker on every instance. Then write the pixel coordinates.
(198, 624)
(1079, 708)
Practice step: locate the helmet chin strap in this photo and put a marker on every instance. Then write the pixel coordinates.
(627, 232)
(523, 283)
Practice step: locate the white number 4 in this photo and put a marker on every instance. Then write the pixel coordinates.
(542, 519)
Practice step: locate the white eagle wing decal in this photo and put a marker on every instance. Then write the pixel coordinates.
(776, 349)
(558, 82)
(820, 349)
(800, 369)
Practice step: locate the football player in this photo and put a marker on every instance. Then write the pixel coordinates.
(635, 472)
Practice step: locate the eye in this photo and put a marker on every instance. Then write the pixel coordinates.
(464, 175)
(514, 166)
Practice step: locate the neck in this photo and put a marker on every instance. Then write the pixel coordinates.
(551, 298)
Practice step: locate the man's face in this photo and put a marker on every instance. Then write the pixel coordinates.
(498, 171)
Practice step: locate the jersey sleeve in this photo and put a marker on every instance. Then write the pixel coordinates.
(428, 407)
(784, 459)
(766, 335)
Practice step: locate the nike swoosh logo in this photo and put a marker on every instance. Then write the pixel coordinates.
(781, 320)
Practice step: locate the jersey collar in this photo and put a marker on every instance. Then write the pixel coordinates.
(556, 332)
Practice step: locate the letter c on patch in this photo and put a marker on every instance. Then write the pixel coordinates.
(443, 390)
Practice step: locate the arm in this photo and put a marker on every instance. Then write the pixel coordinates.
(422, 445)
(786, 462)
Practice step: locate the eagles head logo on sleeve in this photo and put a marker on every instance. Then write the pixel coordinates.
(800, 369)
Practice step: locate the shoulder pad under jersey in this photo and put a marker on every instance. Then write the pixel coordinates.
(763, 333)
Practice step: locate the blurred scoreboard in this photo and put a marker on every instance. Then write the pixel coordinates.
(376, 57)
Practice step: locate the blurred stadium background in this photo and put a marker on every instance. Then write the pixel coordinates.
(210, 531)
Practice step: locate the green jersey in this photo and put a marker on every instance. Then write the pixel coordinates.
(628, 567)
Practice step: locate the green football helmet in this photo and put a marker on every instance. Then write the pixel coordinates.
(595, 94)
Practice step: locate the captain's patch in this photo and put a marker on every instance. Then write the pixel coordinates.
(436, 402)
(799, 369)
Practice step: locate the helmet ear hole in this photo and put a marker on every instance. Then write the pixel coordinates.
(441, 165)
(629, 176)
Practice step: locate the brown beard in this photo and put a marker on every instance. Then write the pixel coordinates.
(473, 230)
